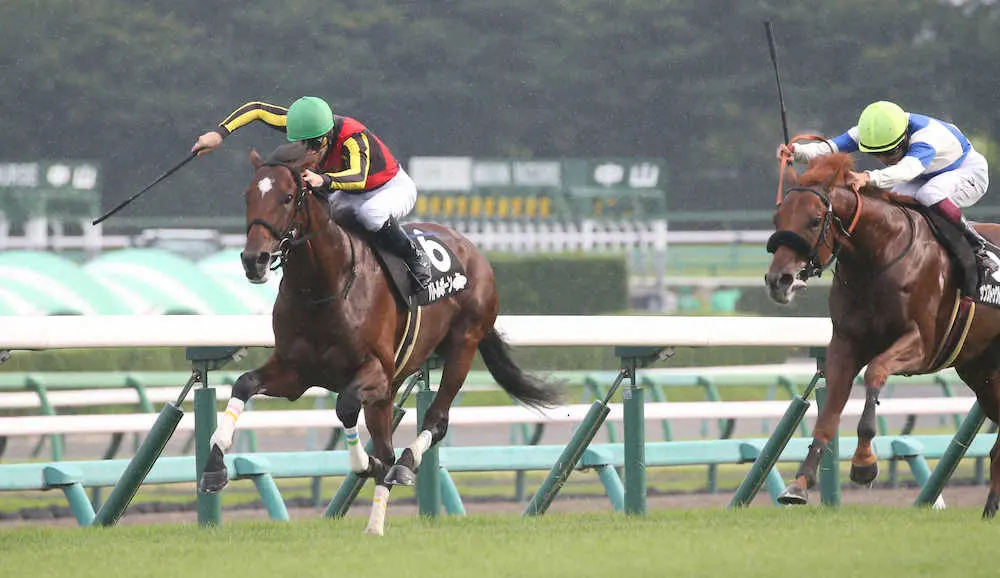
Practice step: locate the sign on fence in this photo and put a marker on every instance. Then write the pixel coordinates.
(465, 188)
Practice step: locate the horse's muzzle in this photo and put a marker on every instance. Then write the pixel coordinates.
(256, 265)
(781, 286)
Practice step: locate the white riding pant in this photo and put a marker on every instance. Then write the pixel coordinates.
(965, 185)
(373, 208)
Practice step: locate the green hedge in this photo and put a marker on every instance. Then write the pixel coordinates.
(561, 284)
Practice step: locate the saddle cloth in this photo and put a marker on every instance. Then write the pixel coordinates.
(447, 273)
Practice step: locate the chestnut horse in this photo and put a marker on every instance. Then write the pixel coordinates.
(891, 303)
(337, 325)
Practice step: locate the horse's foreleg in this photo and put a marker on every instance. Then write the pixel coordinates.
(214, 477)
(905, 354)
(378, 418)
(841, 367)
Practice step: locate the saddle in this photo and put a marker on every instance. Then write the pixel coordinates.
(447, 272)
(973, 280)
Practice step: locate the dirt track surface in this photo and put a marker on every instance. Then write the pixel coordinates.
(958, 496)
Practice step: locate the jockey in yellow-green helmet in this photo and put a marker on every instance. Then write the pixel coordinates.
(927, 159)
(355, 166)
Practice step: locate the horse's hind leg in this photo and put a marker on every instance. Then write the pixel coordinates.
(273, 378)
(993, 498)
(457, 362)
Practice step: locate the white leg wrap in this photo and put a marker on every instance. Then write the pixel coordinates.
(356, 454)
(419, 446)
(223, 435)
(939, 503)
(376, 522)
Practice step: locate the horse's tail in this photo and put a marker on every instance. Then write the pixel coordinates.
(533, 391)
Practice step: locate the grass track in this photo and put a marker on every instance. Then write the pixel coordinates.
(757, 542)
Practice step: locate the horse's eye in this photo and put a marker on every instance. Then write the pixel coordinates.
(814, 222)
(288, 198)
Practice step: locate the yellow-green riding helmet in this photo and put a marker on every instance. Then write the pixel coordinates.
(308, 117)
(881, 127)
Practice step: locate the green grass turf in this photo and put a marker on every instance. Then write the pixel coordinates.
(765, 542)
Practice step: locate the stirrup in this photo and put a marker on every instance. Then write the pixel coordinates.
(984, 261)
(420, 270)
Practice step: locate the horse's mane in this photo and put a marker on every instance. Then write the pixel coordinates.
(828, 170)
(288, 153)
(296, 152)
(831, 170)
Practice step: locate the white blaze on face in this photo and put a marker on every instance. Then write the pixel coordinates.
(265, 185)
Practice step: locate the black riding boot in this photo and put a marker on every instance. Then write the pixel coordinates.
(393, 237)
(978, 246)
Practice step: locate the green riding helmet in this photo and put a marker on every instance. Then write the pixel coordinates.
(881, 127)
(308, 117)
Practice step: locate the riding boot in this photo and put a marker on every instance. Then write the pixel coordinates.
(978, 246)
(394, 238)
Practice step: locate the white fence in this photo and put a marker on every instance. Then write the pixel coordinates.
(67, 332)
(30, 333)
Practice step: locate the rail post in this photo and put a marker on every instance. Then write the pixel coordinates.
(779, 438)
(954, 454)
(829, 464)
(429, 472)
(206, 409)
(144, 458)
(635, 462)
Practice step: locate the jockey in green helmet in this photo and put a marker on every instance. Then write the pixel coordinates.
(927, 159)
(355, 167)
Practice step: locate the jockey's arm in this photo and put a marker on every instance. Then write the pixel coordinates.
(272, 115)
(845, 143)
(907, 169)
(357, 165)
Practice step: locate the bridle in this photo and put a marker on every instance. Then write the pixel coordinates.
(289, 236)
(794, 241)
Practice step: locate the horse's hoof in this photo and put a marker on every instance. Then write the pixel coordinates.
(212, 482)
(794, 495)
(992, 503)
(864, 475)
(400, 476)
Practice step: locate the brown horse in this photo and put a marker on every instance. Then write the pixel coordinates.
(891, 303)
(338, 325)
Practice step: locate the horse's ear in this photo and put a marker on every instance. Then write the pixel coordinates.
(255, 159)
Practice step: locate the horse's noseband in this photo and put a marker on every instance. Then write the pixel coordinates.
(797, 243)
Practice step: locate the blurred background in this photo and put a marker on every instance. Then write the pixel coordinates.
(638, 133)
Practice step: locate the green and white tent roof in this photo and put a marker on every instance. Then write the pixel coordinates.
(129, 282)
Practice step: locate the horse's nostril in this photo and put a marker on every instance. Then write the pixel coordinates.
(786, 280)
(264, 258)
